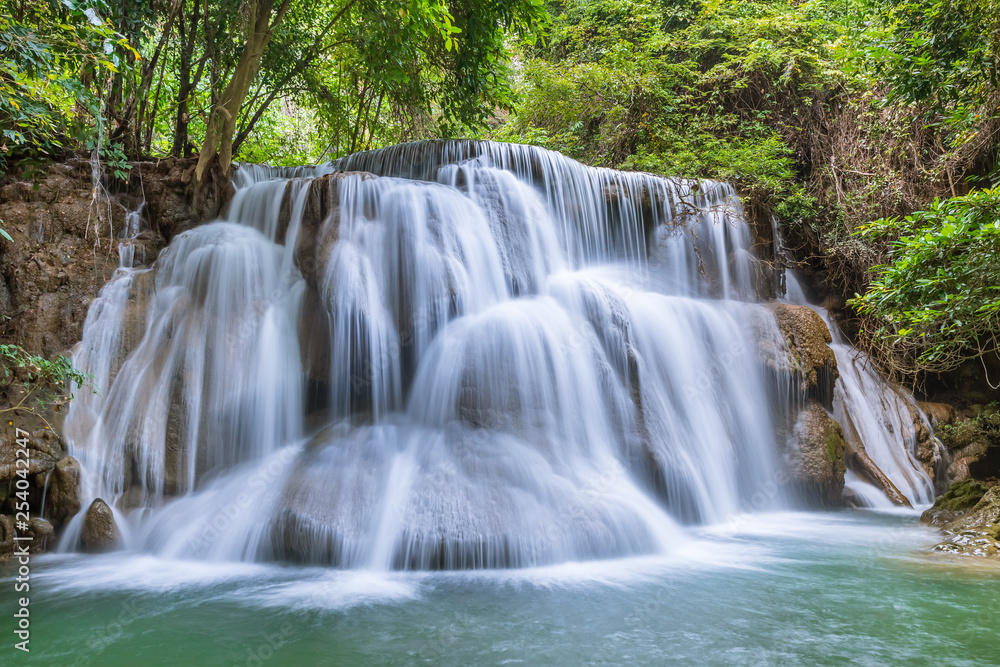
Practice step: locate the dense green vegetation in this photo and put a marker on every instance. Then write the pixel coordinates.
(828, 115)
(939, 299)
(284, 80)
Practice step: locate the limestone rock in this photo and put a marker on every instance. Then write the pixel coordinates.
(808, 338)
(815, 455)
(972, 448)
(41, 532)
(977, 533)
(955, 503)
(63, 498)
(930, 452)
(806, 355)
(938, 413)
(100, 532)
(320, 227)
(43, 452)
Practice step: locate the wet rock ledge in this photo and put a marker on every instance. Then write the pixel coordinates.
(969, 517)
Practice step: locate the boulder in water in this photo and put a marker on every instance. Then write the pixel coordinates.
(815, 455)
(41, 532)
(100, 532)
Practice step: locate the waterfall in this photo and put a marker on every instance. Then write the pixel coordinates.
(876, 414)
(439, 355)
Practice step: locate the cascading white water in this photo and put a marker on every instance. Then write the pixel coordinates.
(878, 415)
(521, 360)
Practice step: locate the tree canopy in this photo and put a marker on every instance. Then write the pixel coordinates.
(283, 80)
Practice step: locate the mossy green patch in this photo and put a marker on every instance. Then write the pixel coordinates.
(961, 495)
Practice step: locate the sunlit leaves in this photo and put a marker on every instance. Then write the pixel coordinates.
(940, 296)
(44, 55)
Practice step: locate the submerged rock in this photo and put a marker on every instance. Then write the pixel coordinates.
(977, 532)
(100, 532)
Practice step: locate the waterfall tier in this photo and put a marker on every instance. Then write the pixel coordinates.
(450, 355)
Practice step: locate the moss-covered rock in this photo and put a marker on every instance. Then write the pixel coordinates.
(960, 497)
(977, 531)
(814, 456)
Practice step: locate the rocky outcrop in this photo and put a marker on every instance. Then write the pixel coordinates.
(977, 531)
(66, 228)
(100, 532)
(814, 456)
(320, 225)
(63, 501)
(50, 473)
(955, 502)
(805, 357)
(65, 240)
(939, 414)
(973, 444)
(793, 344)
(929, 451)
(43, 452)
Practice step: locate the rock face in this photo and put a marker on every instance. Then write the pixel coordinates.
(100, 532)
(43, 452)
(973, 444)
(806, 354)
(63, 501)
(795, 348)
(65, 244)
(814, 454)
(64, 250)
(977, 532)
(320, 223)
(955, 502)
(930, 452)
(938, 413)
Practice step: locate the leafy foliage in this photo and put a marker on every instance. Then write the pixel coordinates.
(984, 427)
(49, 53)
(945, 53)
(42, 383)
(938, 302)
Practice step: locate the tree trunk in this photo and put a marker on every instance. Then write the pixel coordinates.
(188, 31)
(221, 126)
